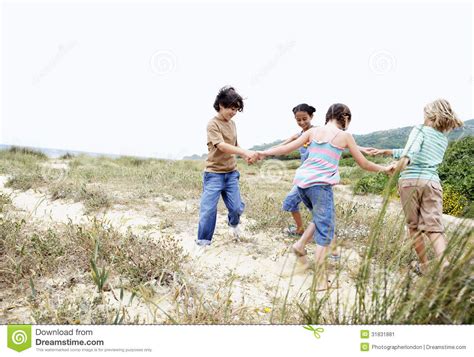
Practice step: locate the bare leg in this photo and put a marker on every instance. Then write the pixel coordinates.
(320, 267)
(334, 251)
(299, 246)
(308, 236)
(305, 238)
(320, 254)
(299, 222)
(419, 245)
(439, 245)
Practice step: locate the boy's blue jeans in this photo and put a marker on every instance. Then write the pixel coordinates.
(214, 186)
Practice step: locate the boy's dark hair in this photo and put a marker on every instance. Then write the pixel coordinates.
(229, 98)
(304, 108)
(339, 112)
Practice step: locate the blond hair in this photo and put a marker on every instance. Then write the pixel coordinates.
(441, 116)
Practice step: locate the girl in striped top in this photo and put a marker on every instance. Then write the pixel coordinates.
(319, 173)
(419, 186)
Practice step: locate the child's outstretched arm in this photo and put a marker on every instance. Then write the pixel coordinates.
(376, 152)
(287, 148)
(236, 150)
(412, 147)
(287, 141)
(360, 159)
(369, 150)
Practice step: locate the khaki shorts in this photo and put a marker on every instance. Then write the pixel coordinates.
(422, 202)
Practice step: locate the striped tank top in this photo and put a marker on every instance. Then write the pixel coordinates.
(321, 167)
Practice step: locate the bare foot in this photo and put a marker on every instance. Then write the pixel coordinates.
(299, 253)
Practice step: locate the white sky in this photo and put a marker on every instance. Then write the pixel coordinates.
(141, 78)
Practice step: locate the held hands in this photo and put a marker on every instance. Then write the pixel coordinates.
(252, 157)
(249, 156)
(391, 168)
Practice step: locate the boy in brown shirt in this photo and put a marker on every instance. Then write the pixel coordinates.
(221, 177)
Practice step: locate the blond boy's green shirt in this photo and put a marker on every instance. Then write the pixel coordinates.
(425, 148)
(220, 131)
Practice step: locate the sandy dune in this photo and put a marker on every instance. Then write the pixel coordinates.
(261, 266)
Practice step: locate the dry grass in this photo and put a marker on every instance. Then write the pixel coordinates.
(93, 273)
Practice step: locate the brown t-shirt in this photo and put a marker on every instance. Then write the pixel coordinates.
(220, 131)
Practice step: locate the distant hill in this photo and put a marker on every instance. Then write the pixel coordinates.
(195, 157)
(396, 138)
(390, 139)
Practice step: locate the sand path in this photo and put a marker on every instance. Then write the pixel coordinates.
(258, 269)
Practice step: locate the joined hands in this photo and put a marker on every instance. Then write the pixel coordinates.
(252, 157)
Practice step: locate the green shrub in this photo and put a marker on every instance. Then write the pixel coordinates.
(67, 156)
(94, 198)
(371, 184)
(454, 203)
(351, 174)
(456, 169)
(348, 162)
(27, 151)
(294, 155)
(25, 180)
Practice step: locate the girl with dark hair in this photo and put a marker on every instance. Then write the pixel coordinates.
(303, 115)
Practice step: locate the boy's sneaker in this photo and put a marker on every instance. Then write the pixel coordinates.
(202, 242)
(200, 248)
(235, 233)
